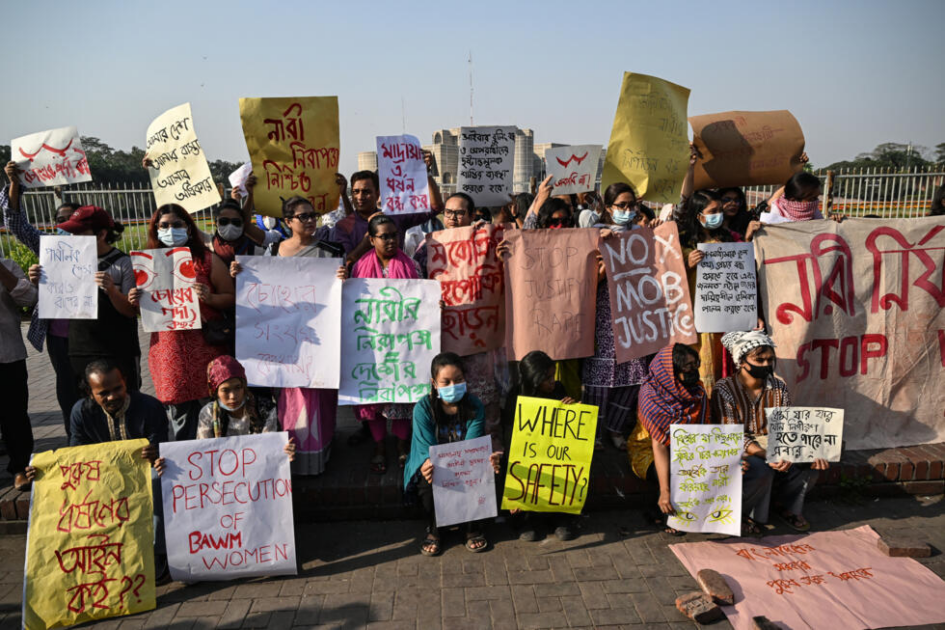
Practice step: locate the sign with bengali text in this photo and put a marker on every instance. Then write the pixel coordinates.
(166, 278)
(51, 158)
(574, 168)
(803, 434)
(67, 288)
(726, 288)
(403, 175)
(463, 481)
(486, 157)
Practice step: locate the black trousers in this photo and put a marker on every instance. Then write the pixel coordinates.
(14, 419)
(425, 494)
(67, 385)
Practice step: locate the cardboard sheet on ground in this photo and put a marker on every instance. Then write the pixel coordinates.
(486, 157)
(823, 580)
(464, 262)
(166, 278)
(550, 456)
(574, 168)
(179, 172)
(649, 293)
(463, 481)
(403, 175)
(50, 158)
(89, 552)
(550, 292)
(294, 147)
(726, 288)
(67, 288)
(390, 332)
(803, 434)
(228, 507)
(288, 321)
(705, 477)
(746, 148)
(857, 311)
(649, 143)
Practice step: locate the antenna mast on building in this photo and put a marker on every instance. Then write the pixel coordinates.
(470, 90)
(403, 115)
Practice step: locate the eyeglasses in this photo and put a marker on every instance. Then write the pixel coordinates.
(454, 214)
(625, 206)
(387, 236)
(163, 225)
(304, 217)
(223, 221)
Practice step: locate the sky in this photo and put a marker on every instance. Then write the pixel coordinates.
(854, 74)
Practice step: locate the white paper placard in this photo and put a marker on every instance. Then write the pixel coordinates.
(51, 158)
(390, 332)
(463, 481)
(803, 434)
(705, 477)
(402, 174)
(238, 178)
(166, 278)
(726, 288)
(288, 321)
(486, 157)
(573, 168)
(67, 288)
(228, 507)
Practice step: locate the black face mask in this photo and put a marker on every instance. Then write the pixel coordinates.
(760, 371)
(689, 378)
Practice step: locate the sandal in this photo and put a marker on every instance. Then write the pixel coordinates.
(379, 465)
(795, 521)
(430, 546)
(473, 539)
(402, 461)
(750, 527)
(673, 532)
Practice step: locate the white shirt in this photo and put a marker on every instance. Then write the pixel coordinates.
(23, 294)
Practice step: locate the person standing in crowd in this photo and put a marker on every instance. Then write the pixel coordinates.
(232, 235)
(937, 208)
(450, 413)
(385, 260)
(178, 358)
(352, 231)
(54, 332)
(742, 399)
(113, 334)
(735, 211)
(416, 234)
(799, 200)
(671, 394)
(308, 414)
(16, 293)
(536, 379)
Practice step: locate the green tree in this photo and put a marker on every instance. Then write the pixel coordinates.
(940, 153)
(889, 155)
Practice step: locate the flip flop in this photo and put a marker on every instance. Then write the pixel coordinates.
(795, 521)
(431, 541)
(476, 538)
(750, 527)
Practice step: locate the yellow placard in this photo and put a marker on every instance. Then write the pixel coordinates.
(294, 147)
(90, 549)
(550, 456)
(649, 146)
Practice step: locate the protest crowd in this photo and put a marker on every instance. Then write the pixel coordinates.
(482, 374)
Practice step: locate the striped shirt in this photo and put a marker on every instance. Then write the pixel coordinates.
(733, 404)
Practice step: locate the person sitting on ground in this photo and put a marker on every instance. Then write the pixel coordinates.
(449, 414)
(671, 394)
(742, 399)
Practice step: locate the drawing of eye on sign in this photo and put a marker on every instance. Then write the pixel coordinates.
(573, 168)
(705, 477)
(166, 278)
(67, 288)
(50, 158)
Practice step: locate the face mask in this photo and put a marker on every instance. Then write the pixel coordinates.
(173, 237)
(622, 217)
(713, 221)
(452, 393)
(62, 232)
(689, 378)
(236, 408)
(229, 232)
(760, 371)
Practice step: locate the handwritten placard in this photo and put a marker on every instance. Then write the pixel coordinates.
(51, 158)
(67, 288)
(288, 321)
(705, 477)
(228, 507)
(463, 481)
(573, 168)
(726, 288)
(550, 456)
(803, 434)
(486, 157)
(166, 278)
(403, 175)
(179, 171)
(649, 293)
(464, 262)
(390, 334)
(90, 549)
(294, 146)
(649, 144)
(550, 288)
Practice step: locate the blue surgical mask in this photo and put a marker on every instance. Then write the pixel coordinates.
(713, 221)
(452, 393)
(623, 217)
(62, 232)
(231, 409)
(173, 237)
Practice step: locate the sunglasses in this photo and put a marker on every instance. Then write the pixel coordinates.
(305, 217)
(163, 225)
(223, 221)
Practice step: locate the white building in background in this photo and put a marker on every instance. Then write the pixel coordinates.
(367, 161)
(445, 149)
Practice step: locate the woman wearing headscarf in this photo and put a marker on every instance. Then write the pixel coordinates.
(671, 394)
(742, 399)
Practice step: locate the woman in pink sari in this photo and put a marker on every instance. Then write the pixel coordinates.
(386, 260)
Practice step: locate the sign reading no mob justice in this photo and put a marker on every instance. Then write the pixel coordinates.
(857, 310)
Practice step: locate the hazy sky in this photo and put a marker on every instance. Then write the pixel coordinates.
(855, 74)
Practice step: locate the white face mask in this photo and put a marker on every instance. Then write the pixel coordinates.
(230, 232)
(173, 237)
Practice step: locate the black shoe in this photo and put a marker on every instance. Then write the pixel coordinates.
(565, 532)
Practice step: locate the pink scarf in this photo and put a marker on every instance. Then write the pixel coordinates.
(798, 210)
(399, 267)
